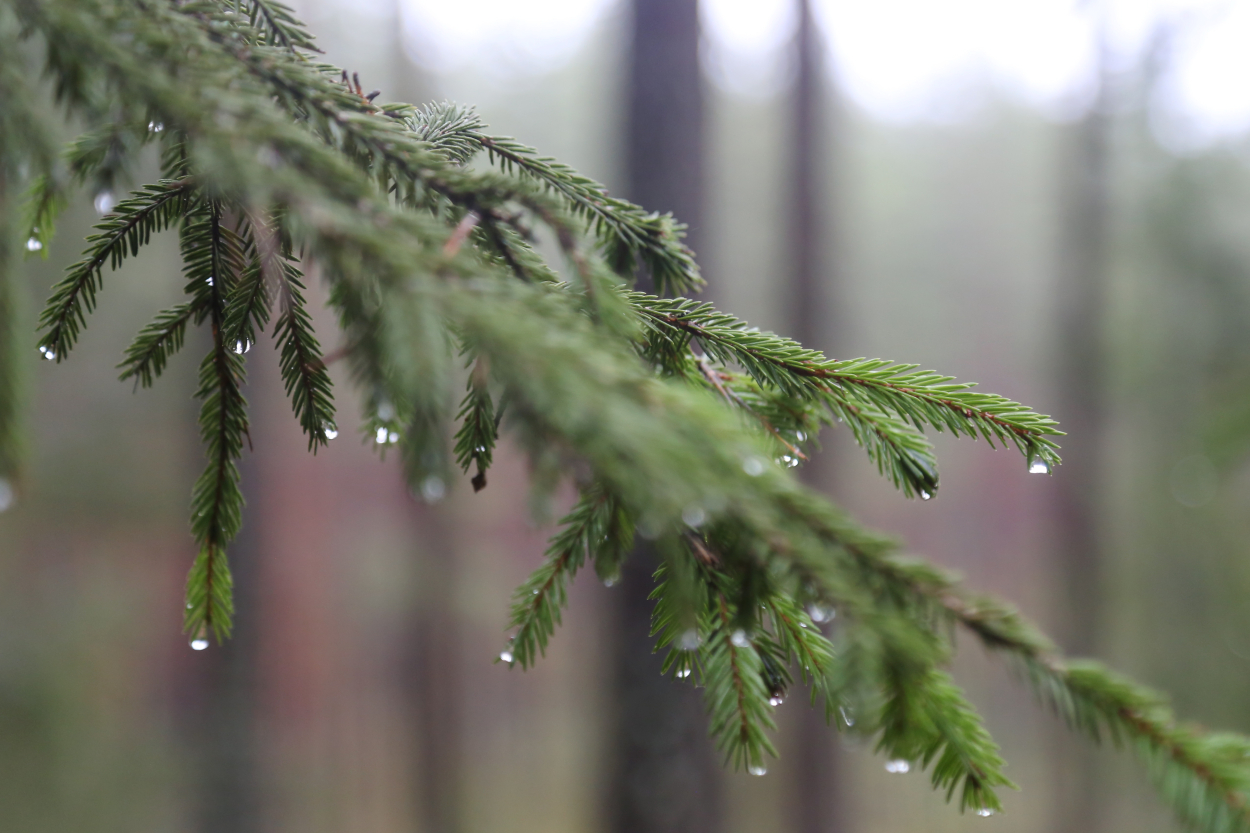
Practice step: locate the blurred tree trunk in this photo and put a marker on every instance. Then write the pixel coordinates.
(223, 725)
(815, 800)
(664, 776)
(1081, 411)
(432, 676)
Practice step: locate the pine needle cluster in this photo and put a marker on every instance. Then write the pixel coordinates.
(676, 422)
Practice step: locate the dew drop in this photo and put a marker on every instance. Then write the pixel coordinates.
(6, 494)
(740, 639)
(898, 766)
(683, 673)
(800, 436)
(104, 202)
(985, 812)
(242, 346)
(689, 640)
(48, 352)
(756, 769)
(200, 641)
(788, 461)
(383, 433)
(753, 466)
(385, 411)
(33, 244)
(209, 280)
(392, 437)
(820, 613)
(847, 717)
(330, 430)
(776, 700)
(925, 495)
(505, 656)
(1038, 466)
(433, 489)
(155, 126)
(694, 516)
(610, 581)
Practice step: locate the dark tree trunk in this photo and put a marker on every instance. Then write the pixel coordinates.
(664, 776)
(815, 800)
(1078, 484)
(223, 724)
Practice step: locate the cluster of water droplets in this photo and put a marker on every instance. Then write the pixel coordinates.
(47, 352)
(898, 766)
(155, 126)
(385, 436)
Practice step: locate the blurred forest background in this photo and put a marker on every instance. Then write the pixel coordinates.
(1048, 197)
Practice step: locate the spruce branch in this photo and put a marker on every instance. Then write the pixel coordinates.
(212, 255)
(131, 225)
(146, 356)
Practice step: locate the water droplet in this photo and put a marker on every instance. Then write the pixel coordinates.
(200, 641)
(481, 449)
(383, 433)
(740, 638)
(925, 495)
(33, 244)
(800, 436)
(847, 717)
(610, 581)
(788, 461)
(433, 489)
(155, 126)
(689, 640)
(104, 202)
(820, 613)
(48, 352)
(189, 605)
(535, 591)
(694, 515)
(506, 656)
(330, 430)
(985, 812)
(683, 673)
(385, 410)
(392, 437)
(1038, 466)
(753, 466)
(242, 346)
(898, 766)
(776, 700)
(209, 280)
(6, 494)
(756, 769)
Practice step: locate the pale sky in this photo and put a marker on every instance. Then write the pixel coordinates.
(902, 60)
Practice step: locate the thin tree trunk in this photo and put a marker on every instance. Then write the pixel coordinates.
(664, 775)
(224, 724)
(1081, 410)
(815, 799)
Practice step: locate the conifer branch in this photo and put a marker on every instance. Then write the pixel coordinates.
(212, 254)
(736, 696)
(150, 209)
(276, 19)
(146, 356)
(593, 528)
